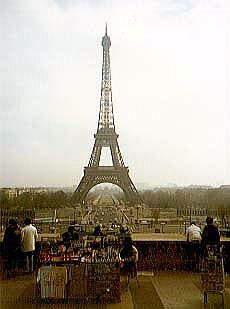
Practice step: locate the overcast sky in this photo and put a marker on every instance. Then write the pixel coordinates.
(170, 79)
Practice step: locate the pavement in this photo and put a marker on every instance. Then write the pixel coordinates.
(161, 290)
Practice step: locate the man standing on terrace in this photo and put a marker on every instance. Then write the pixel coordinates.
(28, 236)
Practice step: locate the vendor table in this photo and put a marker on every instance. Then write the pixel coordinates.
(89, 282)
(88, 272)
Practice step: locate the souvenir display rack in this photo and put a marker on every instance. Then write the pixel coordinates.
(212, 276)
(103, 281)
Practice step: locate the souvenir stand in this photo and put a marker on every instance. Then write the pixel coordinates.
(86, 272)
(212, 272)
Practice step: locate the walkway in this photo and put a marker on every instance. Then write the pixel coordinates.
(164, 290)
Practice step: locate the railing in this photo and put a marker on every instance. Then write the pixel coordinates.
(156, 255)
(173, 255)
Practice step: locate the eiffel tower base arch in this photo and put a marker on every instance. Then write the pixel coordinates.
(106, 174)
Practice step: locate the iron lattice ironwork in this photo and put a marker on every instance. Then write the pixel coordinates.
(106, 136)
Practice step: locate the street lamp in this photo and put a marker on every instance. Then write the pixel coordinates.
(162, 224)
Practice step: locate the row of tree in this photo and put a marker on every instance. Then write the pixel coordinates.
(181, 198)
(29, 200)
(185, 198)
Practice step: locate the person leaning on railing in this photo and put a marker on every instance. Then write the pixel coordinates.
(193, 246)
(194, 233)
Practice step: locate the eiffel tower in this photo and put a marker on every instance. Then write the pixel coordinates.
(106, 136)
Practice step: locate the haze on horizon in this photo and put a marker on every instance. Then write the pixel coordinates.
(170, 79)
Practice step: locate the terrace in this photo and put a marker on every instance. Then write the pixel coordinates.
(171, 286)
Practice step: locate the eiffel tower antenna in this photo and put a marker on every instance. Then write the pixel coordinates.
(106, 28)
(106, 136)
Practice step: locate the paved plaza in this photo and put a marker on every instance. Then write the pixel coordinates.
(163, 290)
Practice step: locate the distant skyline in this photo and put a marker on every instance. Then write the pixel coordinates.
(170, 81)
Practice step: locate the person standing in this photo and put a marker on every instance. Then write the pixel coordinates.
(194, 240)
(97, 231)
(28, 237)
(129, 256)
(70, 235)
(210, 236)
(11, 247)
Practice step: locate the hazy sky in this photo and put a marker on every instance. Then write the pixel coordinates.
(170, 80)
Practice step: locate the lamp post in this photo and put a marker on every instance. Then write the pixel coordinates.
(138, 207)
(181, 225)
(162, 226)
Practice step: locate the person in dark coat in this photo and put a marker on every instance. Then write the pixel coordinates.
(70, 235)
(97, 231)
(11, 246)
(210, 235)
(129, 256)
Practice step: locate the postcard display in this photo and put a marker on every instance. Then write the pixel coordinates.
(88, 271)
(212, 275)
